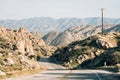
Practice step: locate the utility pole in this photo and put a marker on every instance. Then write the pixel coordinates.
(102, 30)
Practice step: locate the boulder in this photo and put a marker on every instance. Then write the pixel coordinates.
(21, 58)
(10, 54)
(20, 46)
(82, 58)
(102, 43)
(79, 61)
(2, 73)
(92, 54)
(97, 53)
(2, 31)
(1, 55)
(41, 43)
(22, 30)
(76, 47)
(29, 47)
(10, 61)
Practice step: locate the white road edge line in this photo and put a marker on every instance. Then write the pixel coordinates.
(97, 76)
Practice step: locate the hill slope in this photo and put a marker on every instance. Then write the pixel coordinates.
(76, 33)
(94, 51)
(20, 51)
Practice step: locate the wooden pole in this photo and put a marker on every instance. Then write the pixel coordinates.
(102, 30)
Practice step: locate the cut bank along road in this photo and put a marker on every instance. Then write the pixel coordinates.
(58, 72)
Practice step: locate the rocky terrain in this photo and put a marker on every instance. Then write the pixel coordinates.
(93, 52)
(62, 38)
(63, 31)
(76, 33)
(21, 50)
(76, 45)
(48, 38)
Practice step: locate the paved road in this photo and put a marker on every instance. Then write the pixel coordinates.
(57, 72)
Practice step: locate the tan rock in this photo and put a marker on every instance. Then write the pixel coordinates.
(10, 61)
(2, 31)
(1, 54)
(22, 30)
(97, 53)
(10, 54)
(2, 73)
(93, 54)
(41, 43)
(82, 58)
(105, 44)
(79, 61)
(76, 47)
(20, 46)
(21, 58)
(29, 47)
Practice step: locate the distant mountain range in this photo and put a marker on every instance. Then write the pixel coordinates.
(47, 24)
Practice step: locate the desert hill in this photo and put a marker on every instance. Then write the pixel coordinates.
(20, 51)
(75, 33)
(93, 52)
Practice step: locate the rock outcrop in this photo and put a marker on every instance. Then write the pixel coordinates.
(94, 51)
(20, 46)
(2, 31)
(2, 73)
(41, 43)
(20, 50)
(106, 42)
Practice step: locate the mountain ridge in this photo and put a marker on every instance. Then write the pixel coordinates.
(47, 24)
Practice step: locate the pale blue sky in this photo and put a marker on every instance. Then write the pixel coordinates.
(18, 9)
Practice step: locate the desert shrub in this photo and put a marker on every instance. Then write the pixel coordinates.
(118, 40)
(110, 68)
(112, 58)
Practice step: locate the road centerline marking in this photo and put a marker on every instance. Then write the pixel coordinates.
(63, 78)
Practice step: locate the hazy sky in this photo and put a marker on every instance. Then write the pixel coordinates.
(18, 9)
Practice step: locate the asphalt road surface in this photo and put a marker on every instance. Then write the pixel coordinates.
(58, 72)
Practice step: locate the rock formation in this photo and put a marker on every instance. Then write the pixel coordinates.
(91, 52)
(20, 50)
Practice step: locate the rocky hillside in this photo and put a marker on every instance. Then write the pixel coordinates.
(61, 39)
(76, 33)
(48, 38)
(115, 28)
(20, 51)
(47, 24)
(92, 52)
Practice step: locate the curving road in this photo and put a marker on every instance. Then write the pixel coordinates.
(58, 72)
